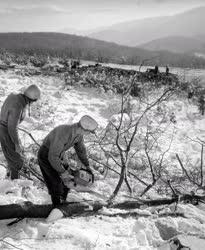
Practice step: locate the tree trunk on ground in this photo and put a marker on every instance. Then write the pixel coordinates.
(30, 210)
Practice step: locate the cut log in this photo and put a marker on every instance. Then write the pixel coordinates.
(30, 210)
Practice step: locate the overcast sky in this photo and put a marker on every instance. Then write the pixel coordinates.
(55, 15)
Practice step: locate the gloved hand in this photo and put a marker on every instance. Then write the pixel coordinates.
(66, 178)
(91, 172)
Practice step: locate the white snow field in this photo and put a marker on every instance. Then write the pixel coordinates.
(146, 232)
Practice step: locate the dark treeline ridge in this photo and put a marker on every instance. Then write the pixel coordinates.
(72, 46)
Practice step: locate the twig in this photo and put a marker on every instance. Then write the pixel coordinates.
(15, 221)
(191, 139)
(202, 142)
(11, 244)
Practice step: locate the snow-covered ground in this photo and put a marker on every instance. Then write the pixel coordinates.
(147, 231)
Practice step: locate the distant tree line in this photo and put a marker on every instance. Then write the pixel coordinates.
(72, 46)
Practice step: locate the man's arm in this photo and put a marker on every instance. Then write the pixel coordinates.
(82, 155)
(81, 152)
(13, 119)
(56, 147)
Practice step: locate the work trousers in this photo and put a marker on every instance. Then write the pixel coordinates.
(14, 160)
(55, 185)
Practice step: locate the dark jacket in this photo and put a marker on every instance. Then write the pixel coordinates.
(12, 113)
(60, 139)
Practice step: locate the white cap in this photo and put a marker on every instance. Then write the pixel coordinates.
(32, 92)
(88, 123)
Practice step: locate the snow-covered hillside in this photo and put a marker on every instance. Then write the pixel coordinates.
(149, 230)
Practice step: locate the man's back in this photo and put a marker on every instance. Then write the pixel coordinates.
(65, 135)
(13, 103)
(60, 139)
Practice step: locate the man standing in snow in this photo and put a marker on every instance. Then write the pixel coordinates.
(167, 70)
(12, 113)
(52, 150)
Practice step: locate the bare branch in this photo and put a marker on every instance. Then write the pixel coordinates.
(185, 171)
(127, 183)
(21, 129)
(173, 190)
(148, 188)
(197, 141)
(150, 165)
(111, 156)
(201, 165)
(183, 168)
(130, 173)
(160, 99)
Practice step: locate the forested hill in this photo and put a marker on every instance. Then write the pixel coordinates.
(65, 45)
